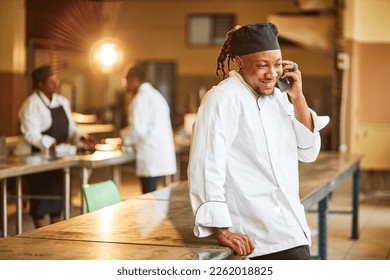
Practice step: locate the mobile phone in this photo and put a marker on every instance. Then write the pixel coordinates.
(283, 83)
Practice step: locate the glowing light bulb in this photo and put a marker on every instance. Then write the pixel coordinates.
(108, 55)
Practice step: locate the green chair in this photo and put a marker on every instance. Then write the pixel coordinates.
(99, 195)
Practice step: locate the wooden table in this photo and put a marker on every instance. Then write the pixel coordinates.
(164, 218)
(16, 248)
(166, 222)
(317, 180)
(147, 223)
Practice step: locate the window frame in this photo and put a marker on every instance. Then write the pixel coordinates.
(213, 40)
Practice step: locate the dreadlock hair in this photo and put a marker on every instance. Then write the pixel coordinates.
(226, 53)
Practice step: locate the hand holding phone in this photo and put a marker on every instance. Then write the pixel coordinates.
(283, 83)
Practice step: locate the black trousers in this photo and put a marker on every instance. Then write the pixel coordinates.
(46, 183)
(149, 184)
(297, 253)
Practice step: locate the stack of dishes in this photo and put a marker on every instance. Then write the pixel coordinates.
(109, 145)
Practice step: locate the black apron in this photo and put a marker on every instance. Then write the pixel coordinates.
(52, 182)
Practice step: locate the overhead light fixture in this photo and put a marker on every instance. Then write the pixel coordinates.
(106, 55)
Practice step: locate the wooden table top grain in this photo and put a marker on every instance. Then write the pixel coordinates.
(162, 220)
(16, 248)
(165, 217)
(134, 221)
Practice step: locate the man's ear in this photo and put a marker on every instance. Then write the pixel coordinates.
(239, 61)
(40, 85)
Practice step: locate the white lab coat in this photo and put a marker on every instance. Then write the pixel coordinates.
(150, 131)
(243, 169)
(35, 118)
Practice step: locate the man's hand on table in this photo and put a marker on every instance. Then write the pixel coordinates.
(241, 244)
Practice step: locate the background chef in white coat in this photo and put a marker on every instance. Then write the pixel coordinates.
(149, 130)
(247, 140)
(46, 121)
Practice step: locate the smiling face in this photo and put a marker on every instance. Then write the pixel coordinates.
(261, 70)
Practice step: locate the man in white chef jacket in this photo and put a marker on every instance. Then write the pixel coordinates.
(247, 141)
(149, 130)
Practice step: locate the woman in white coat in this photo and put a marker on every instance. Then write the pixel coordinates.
(46, 121)
(149, 130)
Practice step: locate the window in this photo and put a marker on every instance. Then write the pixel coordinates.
(208, 30)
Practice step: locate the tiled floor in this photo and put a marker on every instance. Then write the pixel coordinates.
(374, 219)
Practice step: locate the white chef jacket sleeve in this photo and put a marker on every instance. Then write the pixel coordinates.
(138, 118)
(309, 143)
(214, 130)
(29, 116)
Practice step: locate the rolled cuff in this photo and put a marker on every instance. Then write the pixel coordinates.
(200, 231)
(306, 138)
(211, 214)
(319, 121)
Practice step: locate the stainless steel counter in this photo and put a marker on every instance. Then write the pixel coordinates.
(12, 166)
(17, 166)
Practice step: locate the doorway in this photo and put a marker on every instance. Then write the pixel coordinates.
(162, 75)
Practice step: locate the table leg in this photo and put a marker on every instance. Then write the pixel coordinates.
(4, 228)
(116, 175)
(355, 203)
(176, 177)
(168, 180)
(323, 228)
(86, 173)
(67, 192)
(19, 204)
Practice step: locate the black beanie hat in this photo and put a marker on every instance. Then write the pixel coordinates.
(40, 74)
(255, 38)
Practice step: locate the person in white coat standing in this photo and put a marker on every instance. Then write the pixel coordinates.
(246, 143)
(46, 121)
(149, 130)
